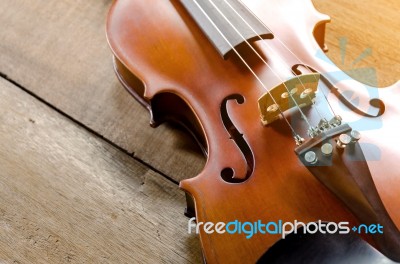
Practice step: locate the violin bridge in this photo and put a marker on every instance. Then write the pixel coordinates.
(300, 89)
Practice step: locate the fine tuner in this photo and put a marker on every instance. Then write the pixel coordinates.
(318, 150)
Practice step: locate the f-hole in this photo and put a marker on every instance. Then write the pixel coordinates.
(228, 174)
(346, 100)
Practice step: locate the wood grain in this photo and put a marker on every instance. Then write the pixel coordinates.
(58, 50)
(366, 26)
(69, 197)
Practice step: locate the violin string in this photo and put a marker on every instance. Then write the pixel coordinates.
(276, 53)
(263, 60)
(247, 65)
(286, 47)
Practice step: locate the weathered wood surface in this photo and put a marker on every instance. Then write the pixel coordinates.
(58, 50)
(365, 25)
(66, 195)
(69, 197)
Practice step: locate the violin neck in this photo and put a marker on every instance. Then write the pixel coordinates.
(227, 24)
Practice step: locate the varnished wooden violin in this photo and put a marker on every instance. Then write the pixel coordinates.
(275, 117)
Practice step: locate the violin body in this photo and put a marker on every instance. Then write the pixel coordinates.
(164, 59)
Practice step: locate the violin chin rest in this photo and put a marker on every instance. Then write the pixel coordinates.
(322, 248)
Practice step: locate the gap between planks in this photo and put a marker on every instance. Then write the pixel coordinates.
(69, 197)
(97, 134)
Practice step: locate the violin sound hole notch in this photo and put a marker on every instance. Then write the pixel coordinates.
(375, 106)
(228, 174)
(379, 104)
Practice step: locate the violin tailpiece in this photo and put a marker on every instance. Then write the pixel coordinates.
(344, 171)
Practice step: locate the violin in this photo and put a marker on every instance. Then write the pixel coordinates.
(284, 138)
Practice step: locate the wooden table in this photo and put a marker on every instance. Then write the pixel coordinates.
(83, 178)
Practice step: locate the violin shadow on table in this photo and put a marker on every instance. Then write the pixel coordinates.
(322, 248)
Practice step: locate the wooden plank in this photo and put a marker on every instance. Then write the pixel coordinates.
(69, 197)
(58, 50)
(367, 26)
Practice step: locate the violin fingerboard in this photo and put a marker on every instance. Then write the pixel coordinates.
(226, 24)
